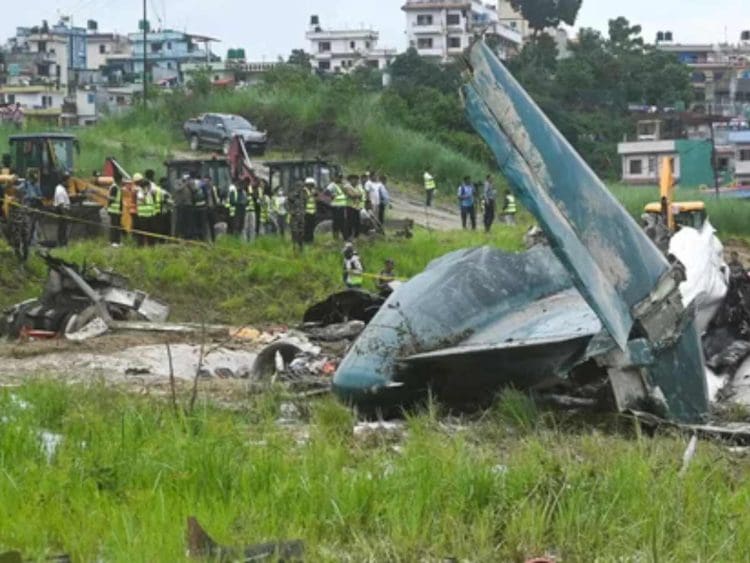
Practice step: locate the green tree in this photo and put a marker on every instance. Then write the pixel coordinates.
(542, 14)
(300, 58)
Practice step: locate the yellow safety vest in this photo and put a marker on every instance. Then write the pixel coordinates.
(158, 200)
(146, 207)
(510, 205)
(265, 208)
(353, 277)
(311, 207)
(362, 195)
(339, 197)
(429, 182)
(115, 206)
(229, 205)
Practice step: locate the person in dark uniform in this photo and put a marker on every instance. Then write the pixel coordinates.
(296, 203)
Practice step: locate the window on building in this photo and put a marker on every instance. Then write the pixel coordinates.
(352, 44)
(454, 42)
(424, 43)
(367, 44)
(636, 167)
(373, 63)
(169, 45)
(453, 19)
(42, 47)
(155, 47)
(324, 65)
(744, 155)
(513, 25)
(722, 163)
(424, 19)
(652, 165)
(90, 98)
(324, 47)
(169, 65)
(11, 98)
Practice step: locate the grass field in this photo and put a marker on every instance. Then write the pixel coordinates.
(511, 484)
(233, 282)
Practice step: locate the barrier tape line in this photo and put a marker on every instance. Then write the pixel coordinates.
(171, 238)
(81, 221)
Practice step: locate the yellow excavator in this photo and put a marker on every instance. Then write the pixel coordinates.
(675, 214)
(49, 158)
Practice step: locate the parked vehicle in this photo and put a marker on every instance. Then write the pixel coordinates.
(215, 131)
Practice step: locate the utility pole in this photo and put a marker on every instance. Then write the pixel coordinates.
(145, 54)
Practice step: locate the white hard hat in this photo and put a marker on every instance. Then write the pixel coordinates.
(309, 180)
(137, 177)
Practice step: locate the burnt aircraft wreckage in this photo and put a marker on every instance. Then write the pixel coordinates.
(600, 299)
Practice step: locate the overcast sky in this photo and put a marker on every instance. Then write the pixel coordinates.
(268, 29)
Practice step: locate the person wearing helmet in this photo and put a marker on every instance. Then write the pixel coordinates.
(62, 208)
(353, 268)
(311, 209)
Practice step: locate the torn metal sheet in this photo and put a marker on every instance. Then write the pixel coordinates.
(613, 263)
(74, 297)
(480, 319)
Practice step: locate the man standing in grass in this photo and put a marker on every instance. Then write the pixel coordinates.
(353, 268)
(429, 186)
(489, 199)
(62, 207)
(466, 202)
(310, 193)
(509, 209)
(338, 206)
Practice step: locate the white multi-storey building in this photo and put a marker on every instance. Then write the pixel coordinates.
(443, 29)
(344, 50)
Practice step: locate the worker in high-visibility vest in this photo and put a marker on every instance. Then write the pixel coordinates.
(161, 223)
(338, 206)
(360, 203)
(231, 204)
(510, 209)
(280, 211)
(353, 268)
(429, 186)
(311, 209)
(145, 210)
(114, 209)
(266, 203)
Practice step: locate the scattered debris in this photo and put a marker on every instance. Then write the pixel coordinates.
(80, 303)
(343, 307)
(600, 298)
(339, 331)
(201, 545)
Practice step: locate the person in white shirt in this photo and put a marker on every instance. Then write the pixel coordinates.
(62, 206)
(373, 193)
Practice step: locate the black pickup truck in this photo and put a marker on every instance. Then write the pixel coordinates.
(215, 131)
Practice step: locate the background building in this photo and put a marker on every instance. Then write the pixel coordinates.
(720, 74)
(343, 50)
(166, 51)
(443, 29)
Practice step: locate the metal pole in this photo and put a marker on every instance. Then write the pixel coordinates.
(145, 54)
(713, 158)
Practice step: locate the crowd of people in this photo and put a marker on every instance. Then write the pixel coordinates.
(248, 207)
(474, 196)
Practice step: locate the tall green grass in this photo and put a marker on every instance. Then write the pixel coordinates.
(234, 282)
(129, 471)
